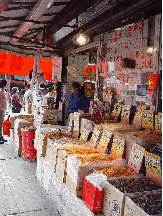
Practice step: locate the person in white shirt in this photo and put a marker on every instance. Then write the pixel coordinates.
(3, 107)
(28, 97)
(50, 98)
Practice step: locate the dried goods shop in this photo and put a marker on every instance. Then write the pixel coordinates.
(107, 161)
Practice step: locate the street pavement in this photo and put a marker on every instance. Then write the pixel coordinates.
(20, 192)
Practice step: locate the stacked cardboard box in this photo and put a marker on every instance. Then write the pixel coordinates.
(18, 125)
(114, 198)
(64, 152)
(144, 204)
(15, 116)
(40, 142)
(143, 138)
(81, 165)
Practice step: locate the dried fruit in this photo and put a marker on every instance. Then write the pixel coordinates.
(29, 119)
(54, 135)
(150, 203)
(93, 158)
(115, 172)
(133, 185)
(82, 150)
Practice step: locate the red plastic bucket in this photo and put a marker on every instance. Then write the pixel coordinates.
(29, 152)
(6, 127)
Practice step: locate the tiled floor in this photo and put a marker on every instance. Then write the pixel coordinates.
(20, 191)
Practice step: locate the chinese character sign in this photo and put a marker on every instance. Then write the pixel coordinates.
(57, 68)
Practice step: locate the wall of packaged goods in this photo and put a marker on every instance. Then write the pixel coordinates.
(130, 64)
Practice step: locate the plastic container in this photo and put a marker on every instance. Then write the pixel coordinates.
(6, 127)
(29, 152)
(93, 191)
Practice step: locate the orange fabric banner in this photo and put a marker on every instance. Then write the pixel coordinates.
(21, 66)
(15, 65)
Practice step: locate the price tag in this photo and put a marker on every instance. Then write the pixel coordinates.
(136, 158)
(76, 123)
(137, 118)
(158, 122)
(96, 135)
(116, 111)
(104, 141)
(107, 96)
(125, 113)
(71, 122)
(153, 167)
(117, 147)
(52, 116)
(84, 135)
(147, 119)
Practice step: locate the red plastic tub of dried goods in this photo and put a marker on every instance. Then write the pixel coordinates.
(29, 152)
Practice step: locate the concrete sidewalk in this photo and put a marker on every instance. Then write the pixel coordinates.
(20, 191)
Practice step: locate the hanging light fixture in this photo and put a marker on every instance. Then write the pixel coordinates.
(81, 39)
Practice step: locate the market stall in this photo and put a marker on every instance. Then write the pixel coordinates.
(108, 160)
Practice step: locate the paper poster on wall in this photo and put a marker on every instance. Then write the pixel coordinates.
(128, 43)
(64, 92)
(130, 97)
(149, 97)
(152, 81)
(107, 95)
(133, 81)
(141, 93)
(56, 68)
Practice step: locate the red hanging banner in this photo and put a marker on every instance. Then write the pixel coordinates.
(15, 65)
(46, 67)
(21, 66)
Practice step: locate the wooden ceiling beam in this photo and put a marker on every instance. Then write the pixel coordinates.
(19, 8)
(2, 18)
(22, 3)
(13, 26)
(22, 40)
(51, 14)
(32, 31)
(63, 3)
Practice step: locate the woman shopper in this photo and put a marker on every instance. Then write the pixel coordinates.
(28, 98)
(16, 105)
(78, 100)
(8, 98)
(3, 107)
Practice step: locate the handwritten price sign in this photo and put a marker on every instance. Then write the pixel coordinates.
(136, 158)
(116, 111)
(147, 119)
(104, 141)
(153, 167)
(107, 97)
(158, 122)
(117, 147)
(76, 123)
(125, 113)
(137, 117)
(84, 135)
(96, 135)
(71, 123)
(105, 138)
